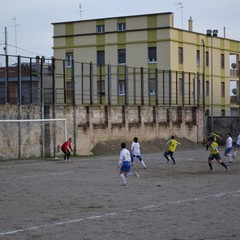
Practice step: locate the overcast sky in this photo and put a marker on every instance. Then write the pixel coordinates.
(30, 30)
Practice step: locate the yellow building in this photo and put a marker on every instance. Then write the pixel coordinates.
(151, 42)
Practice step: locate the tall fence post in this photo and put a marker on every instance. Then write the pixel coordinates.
(19, 81)
(126, 85)
(74, 108)
(109, 84)
(54, 105)
(91, 83)
(53, 83)
(42, 104)
(170, 88)
(198, 89)
(6, 78)
(142, 86)
(183, 89)
(73, 83)
(31, 81)
(100, 84)
(163, 92)
(19, 106)
(64, 81)
(134, 86)
(156, 87)
(82, 83)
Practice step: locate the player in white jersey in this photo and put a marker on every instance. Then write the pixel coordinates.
(229, 148)
(237, 144)
(124, 164)
(136, 152)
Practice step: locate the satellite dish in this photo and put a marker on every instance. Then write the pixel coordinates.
(233, 65)
(234, 91)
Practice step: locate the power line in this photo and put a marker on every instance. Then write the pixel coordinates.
(24, 50)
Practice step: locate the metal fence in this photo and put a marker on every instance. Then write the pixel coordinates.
(25, 80)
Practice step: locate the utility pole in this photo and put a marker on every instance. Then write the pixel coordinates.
(6, 44)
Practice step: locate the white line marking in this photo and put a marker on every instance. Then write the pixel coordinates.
(217, 195)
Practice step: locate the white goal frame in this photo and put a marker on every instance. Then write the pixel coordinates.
(42, 121)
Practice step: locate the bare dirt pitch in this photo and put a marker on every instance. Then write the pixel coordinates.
(83, 199)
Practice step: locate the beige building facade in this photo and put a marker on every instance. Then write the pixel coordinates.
(152, 42)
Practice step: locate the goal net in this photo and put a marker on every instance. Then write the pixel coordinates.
(31, 138)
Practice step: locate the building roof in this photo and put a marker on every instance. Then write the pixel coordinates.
(128, 16)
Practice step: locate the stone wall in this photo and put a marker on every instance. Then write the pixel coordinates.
(88, 125)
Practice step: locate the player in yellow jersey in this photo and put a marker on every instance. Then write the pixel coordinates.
(172, 144)
(214, 154)
(214, 136)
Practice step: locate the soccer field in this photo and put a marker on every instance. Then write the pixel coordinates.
(83, 199)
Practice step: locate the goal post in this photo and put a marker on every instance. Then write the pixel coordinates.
(31, 138)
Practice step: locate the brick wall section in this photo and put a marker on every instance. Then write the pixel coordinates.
(88, 125)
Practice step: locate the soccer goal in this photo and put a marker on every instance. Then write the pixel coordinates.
(31, 138)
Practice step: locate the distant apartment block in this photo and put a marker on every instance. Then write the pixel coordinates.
(151, 41)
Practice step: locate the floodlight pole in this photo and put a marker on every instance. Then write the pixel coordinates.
(212, 33)
(211, 86)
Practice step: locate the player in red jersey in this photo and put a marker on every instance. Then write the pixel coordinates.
(66, 149)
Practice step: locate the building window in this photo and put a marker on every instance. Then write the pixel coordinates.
(198, 58)
(207, 88)
(152, 54)
(180, 55)
(121, 87)
(100, 28)
(223, 113)
(121, 26)
(121, 56)
(101, 88)
(222, 61)
(207, 59)
(222, 89)
(69, 58)
(100, 57)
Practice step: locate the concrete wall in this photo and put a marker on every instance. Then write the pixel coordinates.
(88, 125)
(223, 126)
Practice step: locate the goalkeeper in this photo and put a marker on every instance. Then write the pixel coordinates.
(66, 148)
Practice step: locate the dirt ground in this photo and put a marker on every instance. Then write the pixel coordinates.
(83, 200)
(153, 146)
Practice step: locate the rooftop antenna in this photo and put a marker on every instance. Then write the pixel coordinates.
(181, 7)
(15, 27)
(80, 11)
